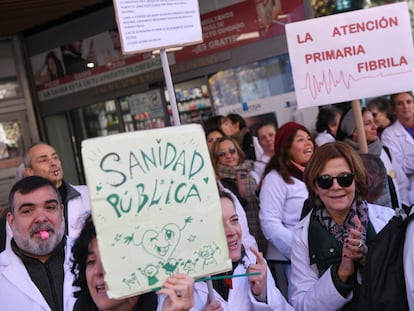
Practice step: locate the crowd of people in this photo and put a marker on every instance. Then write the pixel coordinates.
(298, 217)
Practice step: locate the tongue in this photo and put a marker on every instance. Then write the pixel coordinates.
(44, 235)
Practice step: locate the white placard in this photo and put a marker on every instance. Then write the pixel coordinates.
(147, 25)
(156, 207)
(353, 55)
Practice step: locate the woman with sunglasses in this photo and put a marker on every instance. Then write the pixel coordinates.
(329, 244)
(234, 173)
(282, 195)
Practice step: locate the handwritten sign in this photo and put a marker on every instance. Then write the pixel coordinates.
(353, 55)
(155, 206)
(146, 25)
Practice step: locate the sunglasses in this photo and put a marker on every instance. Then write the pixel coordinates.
(221, 154)
(343, 179)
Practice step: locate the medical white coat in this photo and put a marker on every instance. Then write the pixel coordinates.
(401, 145)
(18, 292)
(241, 297)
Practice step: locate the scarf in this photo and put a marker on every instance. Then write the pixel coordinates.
(339, 231)
(374, 148)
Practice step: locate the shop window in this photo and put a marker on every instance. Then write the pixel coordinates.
(9, 86)
(251, 82)
(10, 140)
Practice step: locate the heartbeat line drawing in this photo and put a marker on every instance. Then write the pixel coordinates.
(329, 81)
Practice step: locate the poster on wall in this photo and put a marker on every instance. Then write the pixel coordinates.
(147, 25)
(154, 202)
(353, 55)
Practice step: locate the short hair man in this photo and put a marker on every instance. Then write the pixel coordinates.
(35, 270)
(41, 159)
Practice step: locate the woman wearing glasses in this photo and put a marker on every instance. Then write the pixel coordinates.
(329, 244)
(282, 195)
(234, 173)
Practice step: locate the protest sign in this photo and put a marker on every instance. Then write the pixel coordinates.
(146, 25)
(155, 206)
(353, 55)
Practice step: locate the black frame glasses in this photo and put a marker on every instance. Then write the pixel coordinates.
(343, 179)
(222, 153)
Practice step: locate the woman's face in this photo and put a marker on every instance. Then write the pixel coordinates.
(380, 118)
(333, 129)
(96, 284)
(302, 148)
(232, 229)
(211, 139)
(337, 199)
(227, 154)
(369, 126)
(227, 127)
(51, 64)
(266, 135)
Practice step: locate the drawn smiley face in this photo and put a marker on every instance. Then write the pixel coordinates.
(162, 243)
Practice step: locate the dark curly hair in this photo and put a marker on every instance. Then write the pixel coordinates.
(79, 255)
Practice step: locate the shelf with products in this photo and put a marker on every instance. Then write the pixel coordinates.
(143, 111)
(101, 119)
(193, 101)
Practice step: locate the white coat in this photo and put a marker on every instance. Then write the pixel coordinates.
(308, 290)
(401, 145)
(241, 297)
(280, 209)
(408, 260)
(78, 208)
(399, 178)
(18, 292)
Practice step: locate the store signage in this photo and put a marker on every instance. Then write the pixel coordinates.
(353, 55)
(97, 77)
(242, 23)
(147, 25)
(154, 203)
(98, 60)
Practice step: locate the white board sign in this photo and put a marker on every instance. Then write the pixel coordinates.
(155, 206)
(353, 55)
(147, 25)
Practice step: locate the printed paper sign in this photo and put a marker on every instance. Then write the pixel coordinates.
(147, 25)
(156, 208)
(354, 55)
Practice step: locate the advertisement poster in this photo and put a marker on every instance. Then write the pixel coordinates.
(154, 203)
(343, 57)
(147, 25)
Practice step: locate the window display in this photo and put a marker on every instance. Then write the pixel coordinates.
(258, 80)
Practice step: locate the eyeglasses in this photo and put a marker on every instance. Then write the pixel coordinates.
(343, 179)
(221, 154)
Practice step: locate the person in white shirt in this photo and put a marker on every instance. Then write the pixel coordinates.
(265, 133)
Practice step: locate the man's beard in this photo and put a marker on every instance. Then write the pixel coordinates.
(35, 245)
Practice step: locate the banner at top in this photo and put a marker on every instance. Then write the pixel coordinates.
(353, 55)
(147, 25)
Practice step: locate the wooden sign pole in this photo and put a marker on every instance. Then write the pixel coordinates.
(362, 139)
